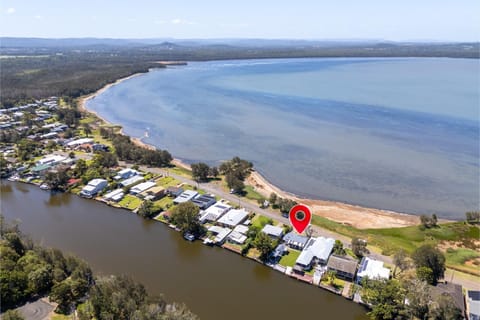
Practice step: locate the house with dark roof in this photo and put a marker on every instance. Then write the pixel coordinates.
(450, 289)
(295, 241)
(343, 266)
(204, 201)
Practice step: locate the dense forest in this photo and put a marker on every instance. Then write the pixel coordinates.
(29, 271)
(73, 70)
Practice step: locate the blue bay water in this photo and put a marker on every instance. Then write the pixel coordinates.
(399, 134)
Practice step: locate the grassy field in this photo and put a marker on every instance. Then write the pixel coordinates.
(130, 202)
(165, 202)
(252, 194)
(181, 171)
(168, 182)
(289, 259)
(260, 221)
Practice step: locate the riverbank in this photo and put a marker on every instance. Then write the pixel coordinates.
(348, 214)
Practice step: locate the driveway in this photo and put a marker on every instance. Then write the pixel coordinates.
(37, 310)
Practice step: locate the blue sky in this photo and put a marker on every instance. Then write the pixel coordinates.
(301, 19)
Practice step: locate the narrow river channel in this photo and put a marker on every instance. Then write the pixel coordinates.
(214, 283)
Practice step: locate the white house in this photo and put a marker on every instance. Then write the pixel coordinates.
(93, 187)
(185, 196)
(78, 142)
(51, 159)
(272, 231)
(142, 187)
(373, 269)
(115, 195)
(131, 181)
(318, 249)
(237, 237)
(221, 233)
(214, 212)
(126, 173)
(233, 217)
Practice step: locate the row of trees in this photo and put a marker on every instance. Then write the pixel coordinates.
(284, 205)
(126, 150)
(201, 172)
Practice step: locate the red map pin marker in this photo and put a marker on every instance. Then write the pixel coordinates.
(300, 217)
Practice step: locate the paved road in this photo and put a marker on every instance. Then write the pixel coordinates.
(37, 310)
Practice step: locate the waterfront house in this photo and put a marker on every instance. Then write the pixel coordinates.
(154, 193)
(93, 187)
(115, 195)
(455, 291)
(131, 181)
(141, 187)
(237, 237)
(125, 174)
(273, 231)
(220, 233)
(100, 147)
(279, 251)
(174, 191)
(473, 305)
(204, 201)
(214, 212)
(186, 195)
(295, 241)
(241, 229)
(316, 250)
(41, 169)
(343, 266)
(373, 269)
(233, 217)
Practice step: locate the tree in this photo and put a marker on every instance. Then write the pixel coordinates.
(425, 274)
(214, 172)
(40, 279)
(264, 244)
(359, 247)
(430, 257)
(428, 222)
(57, 180)
(419, 297)
(472, 217)
(400, 261)
(444, 308)
(12, 315)
(104, 159)
(338, 248)
(80, 168)
(148, 209)
(331, 275)
(385, 296)
(234, 183)
(87, 129)
(273, 199)
(200, 171)
(62, 294)
(185, 217)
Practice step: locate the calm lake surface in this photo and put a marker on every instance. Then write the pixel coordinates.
(214, 283)
(399, 134)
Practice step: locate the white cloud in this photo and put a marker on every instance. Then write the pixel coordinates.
(181, 21)
(11, 10)
(38, 17)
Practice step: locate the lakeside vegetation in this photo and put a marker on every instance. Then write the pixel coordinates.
(29, 271)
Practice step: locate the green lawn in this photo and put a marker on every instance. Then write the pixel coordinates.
(460, 256)
(252, 194)
(165, 202)
(130, 202)
(181, 171)
(168, 182)
(289, 259)
(260, 221)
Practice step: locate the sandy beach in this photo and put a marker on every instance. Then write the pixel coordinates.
(356, 216)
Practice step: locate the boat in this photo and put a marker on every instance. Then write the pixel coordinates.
(44, 186)
(188, 236)
(208, 242)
